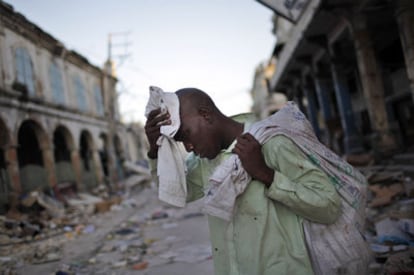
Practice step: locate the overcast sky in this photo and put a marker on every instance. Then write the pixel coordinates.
(213, 45)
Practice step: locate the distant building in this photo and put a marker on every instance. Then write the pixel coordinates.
(350, 66)
(136, 142)
(265, 102)
(59, 118)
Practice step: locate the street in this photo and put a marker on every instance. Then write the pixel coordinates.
(149, 238)
(138, 234)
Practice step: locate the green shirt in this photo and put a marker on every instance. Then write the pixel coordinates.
(266, 235)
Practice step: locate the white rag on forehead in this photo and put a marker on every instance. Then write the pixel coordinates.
(171, 169)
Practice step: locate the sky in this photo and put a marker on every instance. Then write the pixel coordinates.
(213, 45)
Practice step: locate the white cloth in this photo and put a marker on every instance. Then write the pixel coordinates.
(171, 158)
(333, 248)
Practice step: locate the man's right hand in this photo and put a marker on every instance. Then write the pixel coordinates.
(152, 129)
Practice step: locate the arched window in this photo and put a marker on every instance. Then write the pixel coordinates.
(98, 100)
(56, 84)
(80, 93)
(24, 70)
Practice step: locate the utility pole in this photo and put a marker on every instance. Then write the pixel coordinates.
(123, 45)
(112, 97)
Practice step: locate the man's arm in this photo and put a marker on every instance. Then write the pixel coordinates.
(299, 183)
(291, 178)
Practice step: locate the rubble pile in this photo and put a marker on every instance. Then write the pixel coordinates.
(390, 215)
(37, 224)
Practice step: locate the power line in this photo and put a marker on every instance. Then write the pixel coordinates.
(124, 45)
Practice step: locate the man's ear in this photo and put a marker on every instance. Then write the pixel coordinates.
(206, 113)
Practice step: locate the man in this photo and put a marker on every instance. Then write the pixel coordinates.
(266, 233)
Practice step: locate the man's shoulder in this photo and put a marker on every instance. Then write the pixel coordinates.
(245, 117)
(279, 141)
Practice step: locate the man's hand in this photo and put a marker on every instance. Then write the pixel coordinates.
(249, 151)
(152, 129)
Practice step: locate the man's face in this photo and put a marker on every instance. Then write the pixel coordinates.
(197, 135)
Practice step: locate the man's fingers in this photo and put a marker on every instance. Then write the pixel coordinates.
(153, 130)
(159, 120)
(236, 151)
(154, 113)
(240, 148)
(242, 140)
(248, 137)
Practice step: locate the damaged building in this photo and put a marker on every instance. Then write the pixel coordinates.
(350, 66)
(59, 120)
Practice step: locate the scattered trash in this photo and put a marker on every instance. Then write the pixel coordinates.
(193, 215)
(189, 254)
(169, 225)
(159, 215)
(120, 264)
(52, 206)
(140, 266)
(384, 194)
(125, 231)
(89, 229)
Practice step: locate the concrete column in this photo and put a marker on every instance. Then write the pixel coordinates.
(312, 109)
(75, 159)
(112, 164)
(405, 18)
(373, 87)
(323, 88)
(98, 167)
(352, 142)
(49, 162)
(12, 163)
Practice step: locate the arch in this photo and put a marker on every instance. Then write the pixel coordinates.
(32, 140)
(66, 135)
(63, 145)
(86, 147)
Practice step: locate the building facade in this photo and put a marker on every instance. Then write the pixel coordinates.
(59, 119)
(265, 102)
(350, 66)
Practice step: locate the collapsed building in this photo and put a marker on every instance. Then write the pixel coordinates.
(59, 120)
(350, 66)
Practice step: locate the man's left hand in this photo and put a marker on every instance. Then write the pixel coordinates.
(249, 151)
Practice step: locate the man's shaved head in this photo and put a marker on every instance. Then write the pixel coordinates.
(193, 99)
(204, 130)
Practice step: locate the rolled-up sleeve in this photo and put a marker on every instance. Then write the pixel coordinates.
(300, 184)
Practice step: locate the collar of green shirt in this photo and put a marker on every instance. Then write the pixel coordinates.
(247, 119)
